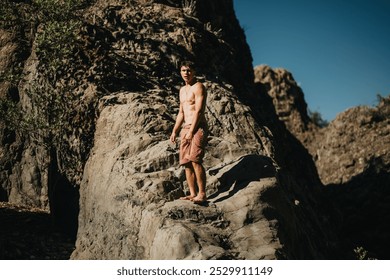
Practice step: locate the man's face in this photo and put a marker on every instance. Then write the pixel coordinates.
(187, 73)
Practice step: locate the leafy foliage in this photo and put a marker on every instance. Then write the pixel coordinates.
(57, 36)
(382, 111)
(56, 25)
(317, 119)
(11, 13)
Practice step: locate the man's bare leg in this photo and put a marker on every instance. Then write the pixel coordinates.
(191, 181)
(200, 176)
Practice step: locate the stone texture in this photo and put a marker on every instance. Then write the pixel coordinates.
(341, 150)
(288, 101)
(133, 188)
(287, 97)
(352, 159)
(356, 140)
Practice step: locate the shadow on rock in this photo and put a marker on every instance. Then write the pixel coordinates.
(229, 179)
(364, 206)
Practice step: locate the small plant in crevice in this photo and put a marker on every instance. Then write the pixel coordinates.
(189, 7)
(382, 111)
(317, 119)
(362, 254)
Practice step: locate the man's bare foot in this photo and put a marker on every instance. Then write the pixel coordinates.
(199, 199)
(188, 197)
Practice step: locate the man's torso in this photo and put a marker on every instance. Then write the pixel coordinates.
(187, 99)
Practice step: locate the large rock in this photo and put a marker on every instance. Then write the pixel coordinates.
(356, 140)
(132, 179)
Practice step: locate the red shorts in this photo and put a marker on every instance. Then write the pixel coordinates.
(192, 150)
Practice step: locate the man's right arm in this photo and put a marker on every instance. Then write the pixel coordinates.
(178, 123)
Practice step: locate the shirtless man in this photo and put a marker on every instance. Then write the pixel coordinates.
(193, 133)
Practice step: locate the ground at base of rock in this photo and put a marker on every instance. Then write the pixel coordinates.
(29, 234)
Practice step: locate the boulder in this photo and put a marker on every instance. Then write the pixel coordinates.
(132, 183)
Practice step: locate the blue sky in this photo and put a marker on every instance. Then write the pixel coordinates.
(338, 51)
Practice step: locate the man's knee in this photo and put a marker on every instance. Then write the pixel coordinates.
(197, 166)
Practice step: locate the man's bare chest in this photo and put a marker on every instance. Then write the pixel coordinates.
(187, 97)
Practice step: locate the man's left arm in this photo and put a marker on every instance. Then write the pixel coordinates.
(200, 99)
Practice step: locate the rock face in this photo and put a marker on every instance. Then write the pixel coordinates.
(351, 156)
(132, 176)
(15, 178)
(353, 160)
(358, 139)
(112, 158)
(131, 179)
(287, 98)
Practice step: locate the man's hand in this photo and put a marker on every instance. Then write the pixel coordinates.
(189, 135)
(173, 138)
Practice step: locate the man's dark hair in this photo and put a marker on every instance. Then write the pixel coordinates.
(188, 63)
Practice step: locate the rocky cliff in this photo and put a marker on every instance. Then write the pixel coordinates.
(287, 97)
(353, 160)
(103, 154)
(288, 100)
(351, 156)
